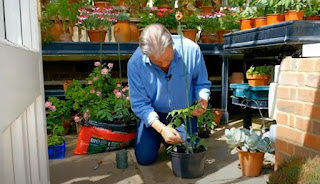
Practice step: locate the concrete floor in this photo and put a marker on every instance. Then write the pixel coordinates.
(221, 166)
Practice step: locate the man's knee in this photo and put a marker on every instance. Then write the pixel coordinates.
(146, 158)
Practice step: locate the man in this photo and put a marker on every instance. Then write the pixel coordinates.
(157, 86)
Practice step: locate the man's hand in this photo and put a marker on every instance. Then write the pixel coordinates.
(201, 109)
(170, 135)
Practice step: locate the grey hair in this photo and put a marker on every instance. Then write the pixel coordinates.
(154, 39)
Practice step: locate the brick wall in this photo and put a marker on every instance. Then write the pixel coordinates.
(298, 108)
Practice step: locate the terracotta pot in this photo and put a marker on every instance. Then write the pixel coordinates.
(246, 24)
(65, 37)
(218, 115)
(66, 83)
(293, 15)
(56, 30)
(258, 80)
(221, 33)
(135, 34)
(97, 35)
(121, 3)
(167, 6)
(208, 37)
(237, 77)
(316, 17)
(274, 18)
(198, 4)
(190, 33)
(251, 163)
(260, 21)
(206, 9)
(174, 31)
(101, 4)
(121, 31)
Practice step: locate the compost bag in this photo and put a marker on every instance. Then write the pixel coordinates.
(98, 137)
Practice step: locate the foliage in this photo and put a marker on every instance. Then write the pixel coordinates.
(166, 17)
(237, 3)
(184, 3)
(297, 170)
(206, 2)
(249, 12)
(248, 140)
(312, 9)
(259, 70)
(160, 2)
(294, 4)
(64, 11)
(101, 99)
(210, 22)
(227, 18)
(123, 17)
(57, 112)
(146, 19)
(96, 19)
(273, 6)
(183, 116)
(55, 140)
(206, 121)
(191, 21)
(45, 26)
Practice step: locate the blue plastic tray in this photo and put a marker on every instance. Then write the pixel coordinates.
(243, 90)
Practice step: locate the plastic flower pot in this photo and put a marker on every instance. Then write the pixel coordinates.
(188, 165)
(274, 18)
(251, 163)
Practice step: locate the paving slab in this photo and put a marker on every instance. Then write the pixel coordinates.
(221, 167)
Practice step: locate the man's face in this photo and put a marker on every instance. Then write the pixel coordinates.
(164, 60)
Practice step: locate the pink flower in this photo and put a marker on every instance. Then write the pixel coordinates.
(92, 91)
(104, 71)
(118, 95)
(48, 104)
(89, 82)
(86, 115)
(95, 78)
(118, 85)
(115, 91)
(76, 119)
(127, 88)
(159, 14)
(128, 98)
(97, 63)
(124, 90)
(53, 108)
(98, 93)
(110, 65)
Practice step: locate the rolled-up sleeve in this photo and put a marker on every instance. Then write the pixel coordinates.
(140, 102)
(201, 83)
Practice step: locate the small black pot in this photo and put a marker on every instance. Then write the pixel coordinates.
(188, 165)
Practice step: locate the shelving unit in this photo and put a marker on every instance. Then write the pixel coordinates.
(276, 41)
(71, 51)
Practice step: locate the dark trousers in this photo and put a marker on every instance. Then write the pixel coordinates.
(148, 140)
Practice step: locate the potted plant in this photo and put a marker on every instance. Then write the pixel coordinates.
(210, 25)
(258, 76)
(58, 123)
(64, 15)
(206, 6)
(121, 29)
(188, 157)
(190, 24)
(167, 18)
(168, 4)
(96, 22)
(274, 14)
(251, 149)
(246, 16)
(101, 4)
(206, 122)
(228, 21)
(294, 9)
(312, 10)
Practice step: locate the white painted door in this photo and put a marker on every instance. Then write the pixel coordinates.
(23, 146)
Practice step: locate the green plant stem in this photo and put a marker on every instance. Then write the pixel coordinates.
(119, 60)
(100, 56)
(187, 90)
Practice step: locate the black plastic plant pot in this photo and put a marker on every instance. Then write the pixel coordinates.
(188, 165)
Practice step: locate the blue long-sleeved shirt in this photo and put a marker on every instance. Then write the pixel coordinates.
(152, 90)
